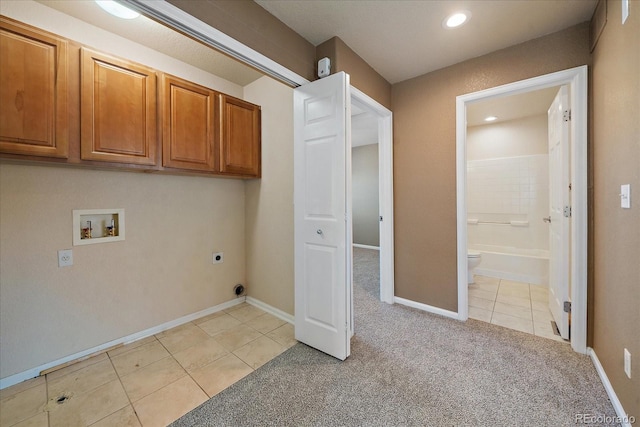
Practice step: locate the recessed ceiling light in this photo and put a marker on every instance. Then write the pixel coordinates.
(116, 9)
(457, 19)
(490, 119)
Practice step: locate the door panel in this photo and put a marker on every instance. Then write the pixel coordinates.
(321, 215)
(321, 271)
(558, 199)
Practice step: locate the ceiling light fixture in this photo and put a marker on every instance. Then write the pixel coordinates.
(457, 19)
(490, 119)
(116, 9)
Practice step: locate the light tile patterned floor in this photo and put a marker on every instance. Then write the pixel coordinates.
(514, 305)
(154, 381)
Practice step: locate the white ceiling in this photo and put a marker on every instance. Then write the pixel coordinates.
(364, 128)
(160, 38)
(511, 107)
(402, 39)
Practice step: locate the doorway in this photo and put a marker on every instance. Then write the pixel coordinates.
(576, 80)
(508, 206)
(176, 18)
(372, 198)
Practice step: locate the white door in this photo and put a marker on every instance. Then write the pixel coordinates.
(322, 215)
(558, 201)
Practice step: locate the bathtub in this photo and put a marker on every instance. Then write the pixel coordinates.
(522, 265)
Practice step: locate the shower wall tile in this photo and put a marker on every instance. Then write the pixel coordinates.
(507, 189)
(513, 185)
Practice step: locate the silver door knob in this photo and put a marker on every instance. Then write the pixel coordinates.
(319, 231)
(547, 219)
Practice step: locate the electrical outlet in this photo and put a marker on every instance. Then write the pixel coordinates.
(65, 258)
(218, 258)
(627, 362)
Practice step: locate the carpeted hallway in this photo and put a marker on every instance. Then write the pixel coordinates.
(408, 367)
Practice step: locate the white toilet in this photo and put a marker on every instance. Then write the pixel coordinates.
(473, 260)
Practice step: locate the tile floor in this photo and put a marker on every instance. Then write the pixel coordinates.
(514, 305)
(154, 381)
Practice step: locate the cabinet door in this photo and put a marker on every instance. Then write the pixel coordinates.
(240, 145)
(118, 110)
(33, 91)
(188, 117)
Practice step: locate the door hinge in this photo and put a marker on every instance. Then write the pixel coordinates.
(567, 211)
(569, 186)
(567, 307)
(380, 218)
(566, 115)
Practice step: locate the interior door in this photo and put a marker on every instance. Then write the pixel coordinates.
(559, 219)
(322, 218)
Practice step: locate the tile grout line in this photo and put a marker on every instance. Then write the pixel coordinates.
(495, 299)
(124, 389)
(189, 373)
(46, 405)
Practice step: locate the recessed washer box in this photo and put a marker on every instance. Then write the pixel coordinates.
(92, 226)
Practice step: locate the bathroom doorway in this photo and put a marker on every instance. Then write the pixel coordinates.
(576, 81)
(508, 188)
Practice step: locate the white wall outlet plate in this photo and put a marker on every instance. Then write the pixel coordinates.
(65, 258)
(218, 258)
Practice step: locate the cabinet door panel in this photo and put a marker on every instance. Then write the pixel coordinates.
(118, 110)
(33, 92)
(240, 146)
(188, 112)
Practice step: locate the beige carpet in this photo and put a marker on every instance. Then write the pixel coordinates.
(410, 368)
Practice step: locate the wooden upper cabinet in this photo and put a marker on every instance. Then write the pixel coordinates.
(33, 91)
(241, 137)
(189, 112)
(117, 110)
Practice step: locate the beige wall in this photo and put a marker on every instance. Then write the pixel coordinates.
(250, 24)
(269, 201)
(425, 156)
(161, 272)
(363, 77)
(365, 189)
(616, 161)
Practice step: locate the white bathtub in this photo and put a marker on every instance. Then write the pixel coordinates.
(522, 265)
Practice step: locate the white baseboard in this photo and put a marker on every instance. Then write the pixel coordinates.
(427, 308)
(624, 419)
(358, 245)
(271, 310)
(34, 372)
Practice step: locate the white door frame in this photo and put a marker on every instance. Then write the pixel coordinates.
(385, 188)
(176, 18)
(576, 79)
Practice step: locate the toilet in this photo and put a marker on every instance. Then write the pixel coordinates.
(473, 260)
